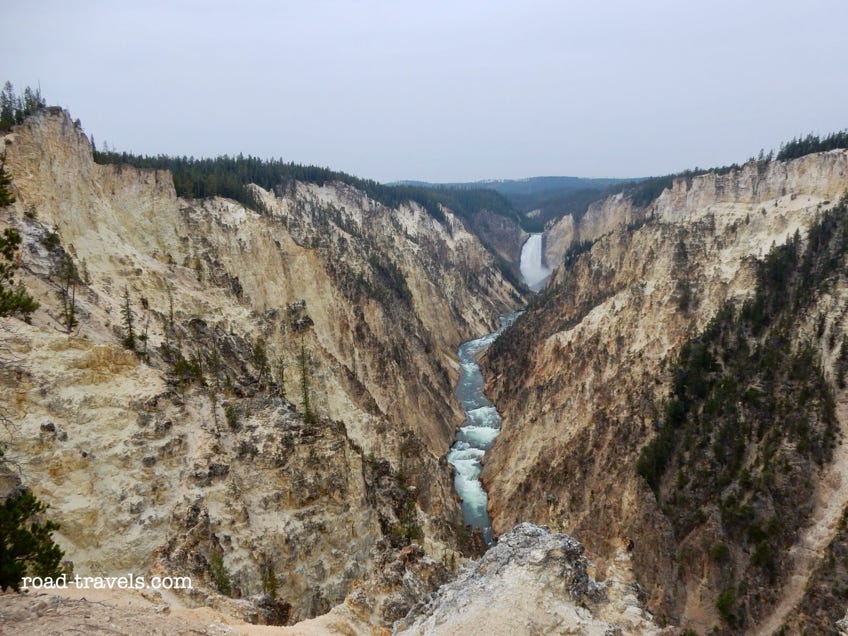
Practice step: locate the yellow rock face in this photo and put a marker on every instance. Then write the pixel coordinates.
(131, 461)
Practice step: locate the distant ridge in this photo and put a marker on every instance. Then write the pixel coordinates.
(528, 185)
(537, 199)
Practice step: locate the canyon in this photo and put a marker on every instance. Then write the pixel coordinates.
(198, 444)
(280, 430)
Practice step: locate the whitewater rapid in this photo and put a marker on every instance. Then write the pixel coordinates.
(533, 271)
(478, 432)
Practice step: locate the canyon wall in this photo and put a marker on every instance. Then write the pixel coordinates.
(582, 378)
(201, 441)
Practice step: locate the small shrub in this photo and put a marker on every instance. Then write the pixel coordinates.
(270, 585)
(232, 417)
(764, 557)
(725, 604)
(219, 574)
(188, 370)
(247, 449)
(720, 552)
(50, 241)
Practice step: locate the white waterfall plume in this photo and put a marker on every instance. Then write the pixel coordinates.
(535, 274)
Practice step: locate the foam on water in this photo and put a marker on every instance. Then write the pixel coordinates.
(484, 416)
(474, 502)
(477, 434)
(481, 437)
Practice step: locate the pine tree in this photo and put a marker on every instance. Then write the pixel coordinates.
(308, 414)
(6, 196)
(26, 547)
(281, 371)
(167, 345)
(270, 584)
(7, 107)
(14, 299)
(260, 361)
(219, 574)
(15, 109)
(129, 318)
(68, 277)
(32, 100)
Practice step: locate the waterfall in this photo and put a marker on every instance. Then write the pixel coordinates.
(535, 274)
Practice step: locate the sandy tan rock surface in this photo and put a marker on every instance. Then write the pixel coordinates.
(199, 444)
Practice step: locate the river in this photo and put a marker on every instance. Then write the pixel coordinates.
(478, 432)
(482, 420)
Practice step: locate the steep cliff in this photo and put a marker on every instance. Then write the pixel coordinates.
(502, 236)
(601, 217)
(755, 182)
(583, 376)
(278, 360)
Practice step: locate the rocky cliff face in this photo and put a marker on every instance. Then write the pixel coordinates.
(600, 218)
(582, 377)
(199, 443)
(502, 236)
(754, 183)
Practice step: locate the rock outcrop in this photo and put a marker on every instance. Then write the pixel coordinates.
(532, 582)
(601, 217)
(502, 236)
(842, 625)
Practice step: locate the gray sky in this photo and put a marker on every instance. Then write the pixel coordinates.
(440, 90)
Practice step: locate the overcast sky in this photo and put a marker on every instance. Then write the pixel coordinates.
(441, 90)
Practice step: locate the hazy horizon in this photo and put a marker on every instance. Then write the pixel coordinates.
(439, 91)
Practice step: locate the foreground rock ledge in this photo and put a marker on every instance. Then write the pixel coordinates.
(532, 582)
